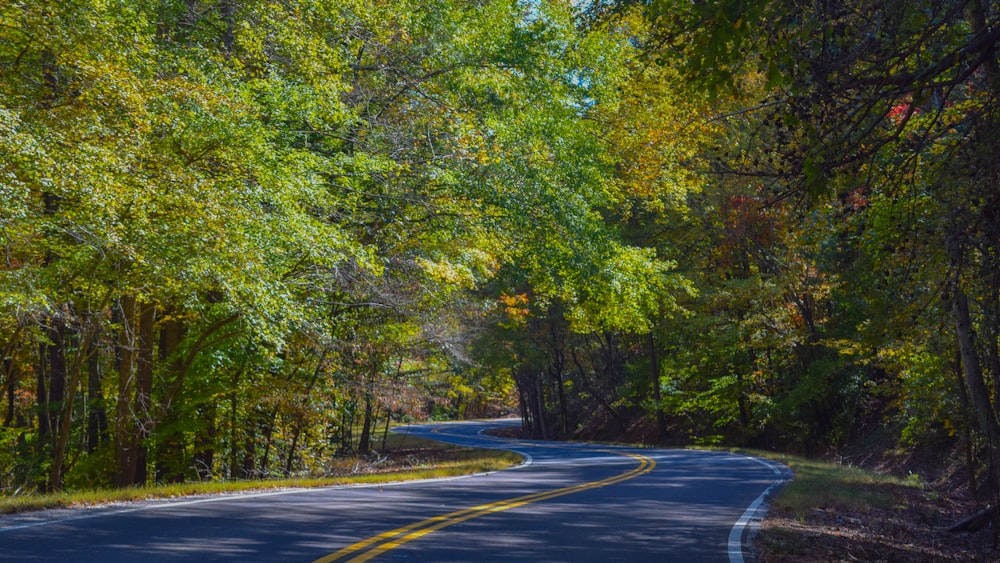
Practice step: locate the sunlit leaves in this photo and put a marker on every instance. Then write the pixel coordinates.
(630, 294)
(328, 195)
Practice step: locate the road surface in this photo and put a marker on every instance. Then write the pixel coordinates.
(567, 502)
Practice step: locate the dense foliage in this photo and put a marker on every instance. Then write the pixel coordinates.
(241, 236)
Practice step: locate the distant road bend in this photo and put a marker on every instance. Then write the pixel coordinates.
(567, 502)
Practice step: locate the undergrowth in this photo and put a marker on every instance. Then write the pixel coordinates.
(348, 471)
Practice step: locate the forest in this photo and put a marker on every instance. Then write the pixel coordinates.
(241, 237)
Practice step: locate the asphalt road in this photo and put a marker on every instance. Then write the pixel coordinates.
(567, 502)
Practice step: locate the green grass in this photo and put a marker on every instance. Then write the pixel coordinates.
(820, 484)
(842, 510)
(460, 461)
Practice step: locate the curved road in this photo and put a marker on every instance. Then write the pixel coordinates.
(567, 502)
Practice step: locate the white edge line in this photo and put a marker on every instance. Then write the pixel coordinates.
(755, 511)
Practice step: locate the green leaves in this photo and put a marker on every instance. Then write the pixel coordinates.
(632, 293)
(329, 194)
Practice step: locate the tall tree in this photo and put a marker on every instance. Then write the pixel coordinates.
(885, 109)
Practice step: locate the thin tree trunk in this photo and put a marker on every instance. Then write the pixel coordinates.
(295, 443)
(268, 434)
(51, 387)
(979, 397)
(543, 427)
(227, 9)
(975, 386)
(248, 467)
(966, 425)
(385, 431)
(12, 375)
(56, 370)
(524, 404)
(561, 393)
(347, 428)
(56, 364)
(654, 368)
(66, 418)
(170, 452)
(558, 368)
(124, 426)
(233, 423)
(144, 390)
(42, 396)
(364, 444)
(97, 415)
(596, 393)
(204, 442)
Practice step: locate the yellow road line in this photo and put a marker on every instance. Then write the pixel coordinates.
(379, 544)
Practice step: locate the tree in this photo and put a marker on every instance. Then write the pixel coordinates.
(888, 109)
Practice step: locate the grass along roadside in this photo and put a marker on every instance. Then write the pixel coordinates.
(411, 458)
(831, 512)
(820, 484)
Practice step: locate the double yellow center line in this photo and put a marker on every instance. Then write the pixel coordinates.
(376, 545)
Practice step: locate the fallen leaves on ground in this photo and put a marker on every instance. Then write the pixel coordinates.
(912, 531)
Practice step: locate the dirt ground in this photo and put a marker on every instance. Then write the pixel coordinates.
(915, 530)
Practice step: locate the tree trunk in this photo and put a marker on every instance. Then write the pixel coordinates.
(42, 397)
(347, 428)
(227, 9)
(83, 349)
(529, 391)
(543, 427)
(97, 415)
(268, 434)
(144, 390)
(204, 442)
(977, 18)
(970, 459)
(364, 444)
(248, 467)
(233, 423)
(56, 364)
(124, 426)
(596, 393)
(56, 371)
(50, 392)
(385, 431)
(12, 375)
(170, 451)
(557, 370)
(561, 394)
(654, 372)
(294, 446)
(171, 334)
(975, 385)
(524, 405)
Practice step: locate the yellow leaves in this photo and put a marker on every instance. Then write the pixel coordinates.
(515, 308)
(655, 135)
(448, 273)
